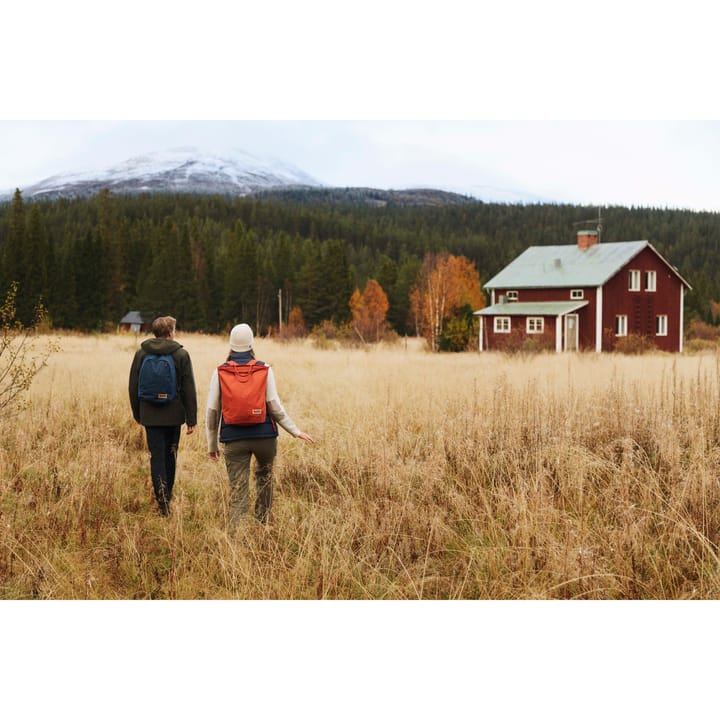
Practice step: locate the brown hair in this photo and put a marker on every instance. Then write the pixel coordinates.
(163, 327)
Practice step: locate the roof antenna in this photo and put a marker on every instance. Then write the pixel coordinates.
(596, 222)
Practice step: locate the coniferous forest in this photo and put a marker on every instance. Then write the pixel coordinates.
(211, 261)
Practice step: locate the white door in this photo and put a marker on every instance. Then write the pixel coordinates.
(571, 333)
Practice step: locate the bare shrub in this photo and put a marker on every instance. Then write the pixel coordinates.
(699, 330)
(634, 344)
(21, 358)
(696, 345)
(518, 341)
(295, 328)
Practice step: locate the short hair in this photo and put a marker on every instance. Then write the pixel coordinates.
(163, 327)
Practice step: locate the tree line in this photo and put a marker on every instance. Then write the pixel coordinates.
(212, 261)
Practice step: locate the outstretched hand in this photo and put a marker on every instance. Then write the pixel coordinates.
(306, 437)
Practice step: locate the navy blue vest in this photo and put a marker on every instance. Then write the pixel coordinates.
(267, 429)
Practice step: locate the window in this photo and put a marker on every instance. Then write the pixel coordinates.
(502, 324)
(621, 325)
(511, 295)
(634, 284)
(535, 325)
(661, 324)
(650, 280)
(577, 294)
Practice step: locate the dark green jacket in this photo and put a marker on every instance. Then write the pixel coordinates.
(183, 409)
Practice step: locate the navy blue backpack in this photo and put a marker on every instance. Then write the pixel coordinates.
(157, 382)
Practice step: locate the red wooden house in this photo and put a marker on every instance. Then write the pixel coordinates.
(585, 297)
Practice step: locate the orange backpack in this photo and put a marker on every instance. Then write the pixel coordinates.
(242, 389)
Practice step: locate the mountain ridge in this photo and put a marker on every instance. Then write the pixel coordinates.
(179, 170)
(232, 173)
(373, 197)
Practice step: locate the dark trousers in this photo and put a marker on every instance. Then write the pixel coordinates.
(163, 445)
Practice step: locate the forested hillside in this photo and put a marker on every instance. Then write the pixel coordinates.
(211, 260)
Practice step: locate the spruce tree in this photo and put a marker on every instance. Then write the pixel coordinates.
(89, 281)
(241, 277)
(337, 285)
(35, 273)
(310, 292)
(63, 301)
(14, 256)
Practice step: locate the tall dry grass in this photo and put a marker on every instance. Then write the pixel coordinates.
(434, 476)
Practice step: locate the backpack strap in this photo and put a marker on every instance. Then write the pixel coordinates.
(247, 364)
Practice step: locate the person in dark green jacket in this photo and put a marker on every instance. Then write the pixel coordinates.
(163, 423)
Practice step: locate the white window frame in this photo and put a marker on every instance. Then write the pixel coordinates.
(535, 325)
(621, 325)
(511, 295)
(501, 324)
(634, 281)
(577, 294)
(661, 325)
(650, 281)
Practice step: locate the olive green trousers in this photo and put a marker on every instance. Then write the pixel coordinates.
(237, 460)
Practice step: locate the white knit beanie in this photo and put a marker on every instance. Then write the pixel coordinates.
(241, 338)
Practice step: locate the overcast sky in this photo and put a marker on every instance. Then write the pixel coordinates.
(668, 163)
(539, 101)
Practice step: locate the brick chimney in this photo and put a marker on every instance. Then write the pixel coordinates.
(586, 238)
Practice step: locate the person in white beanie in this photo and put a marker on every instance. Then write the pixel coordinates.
(242, 442)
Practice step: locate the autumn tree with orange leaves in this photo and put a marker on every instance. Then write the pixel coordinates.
(369, 310)
(446, 284)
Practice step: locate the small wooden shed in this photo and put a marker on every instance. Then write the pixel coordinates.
(136, 321)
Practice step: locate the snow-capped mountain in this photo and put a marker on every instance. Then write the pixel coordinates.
(181, 170)
(235, 173)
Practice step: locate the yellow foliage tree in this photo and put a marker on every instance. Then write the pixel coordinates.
(446, 284)
(296, 323)
(369, 311)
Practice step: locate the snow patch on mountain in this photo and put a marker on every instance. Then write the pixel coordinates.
(179, 170)
(234, 172)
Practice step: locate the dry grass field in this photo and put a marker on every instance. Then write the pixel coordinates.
(434, 476)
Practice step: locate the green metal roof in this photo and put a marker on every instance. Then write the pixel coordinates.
(568, 266)
(533, 308)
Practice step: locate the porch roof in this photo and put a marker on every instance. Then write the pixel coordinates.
(533, 308)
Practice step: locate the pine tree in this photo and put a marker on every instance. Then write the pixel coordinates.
(89, 281)
(337, 284)
(310, 280)
(153, 287)
(399, 312)
(200, 276)
(114, 256)
(14, 256)
(35, 273)
(63, 302)
(182, 298)
(241, 278)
